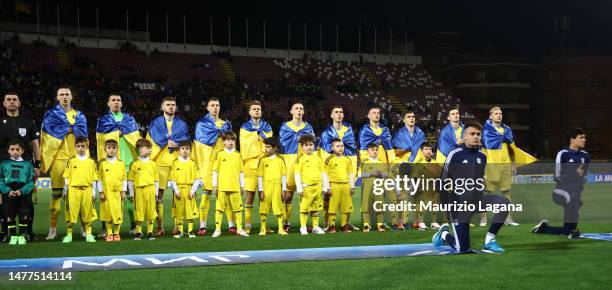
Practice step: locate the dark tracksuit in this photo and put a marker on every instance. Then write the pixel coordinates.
(467, 163)
(569, 188)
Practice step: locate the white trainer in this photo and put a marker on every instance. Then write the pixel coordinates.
(216, 234)
(435, 226)
(422, 226)
(242, 233)
(318, 231)
(303, 231)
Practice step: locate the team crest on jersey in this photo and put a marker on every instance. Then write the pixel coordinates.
(478, 160)
(22, 132)
(571, 160)
(465, 161)
(582, 160)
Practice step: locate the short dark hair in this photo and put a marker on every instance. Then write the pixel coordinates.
(452, 108)
(168, 99)
(410, 110)
(336, 107)
(373, 107)
(372, 145)
(142, 142)
(229, 136)
(295, 103)
(574, 132)
(272, 142)
(80, 139)
(426, 144)
(335, 140)
(115, 94)
(212, 99)
(110, 142)
(184, 143)
(472, 124)
(306, 138)
(11, 93)
(15, 141)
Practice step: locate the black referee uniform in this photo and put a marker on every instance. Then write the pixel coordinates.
(21, 128)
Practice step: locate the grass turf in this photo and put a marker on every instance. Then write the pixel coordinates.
(531, 261)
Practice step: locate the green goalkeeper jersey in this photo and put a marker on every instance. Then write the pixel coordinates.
(16, 175)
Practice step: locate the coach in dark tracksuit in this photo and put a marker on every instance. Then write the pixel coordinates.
(571, 168)
(466, 162)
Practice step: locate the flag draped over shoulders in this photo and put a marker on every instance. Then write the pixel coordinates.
(447, 141)
(348, 139)
(403, 140)
(159, 135)
(56, 125)
(289, 136)
(108, 128)
(493, 142)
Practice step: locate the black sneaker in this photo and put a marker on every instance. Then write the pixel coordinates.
(3, 238)
(151, 236)
(574, 235)
(31, 237)
(137, 237)
(540, 228)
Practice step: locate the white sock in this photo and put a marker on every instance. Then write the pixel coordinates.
(202, 224)
(489, 237)
(231, 224)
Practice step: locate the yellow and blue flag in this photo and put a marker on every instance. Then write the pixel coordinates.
(495, 144)
(159, 135)
(251, 142)
(108, 128)
(206, 136)
(55, 128)
(382, 138)
(290, 134)
(347, 135)
(405, 141)
(447, 141)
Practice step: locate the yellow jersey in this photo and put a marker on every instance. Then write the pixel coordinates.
(184, 172)
(272, 168)
(144, 173)
(338, 168)
(112, 175)
(228, 166)
(310, 167)
(81, 172)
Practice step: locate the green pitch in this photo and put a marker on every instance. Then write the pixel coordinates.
(532, 261)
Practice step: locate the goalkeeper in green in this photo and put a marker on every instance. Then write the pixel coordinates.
(16, 186)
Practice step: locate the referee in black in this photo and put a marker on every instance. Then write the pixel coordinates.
(17, 126)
